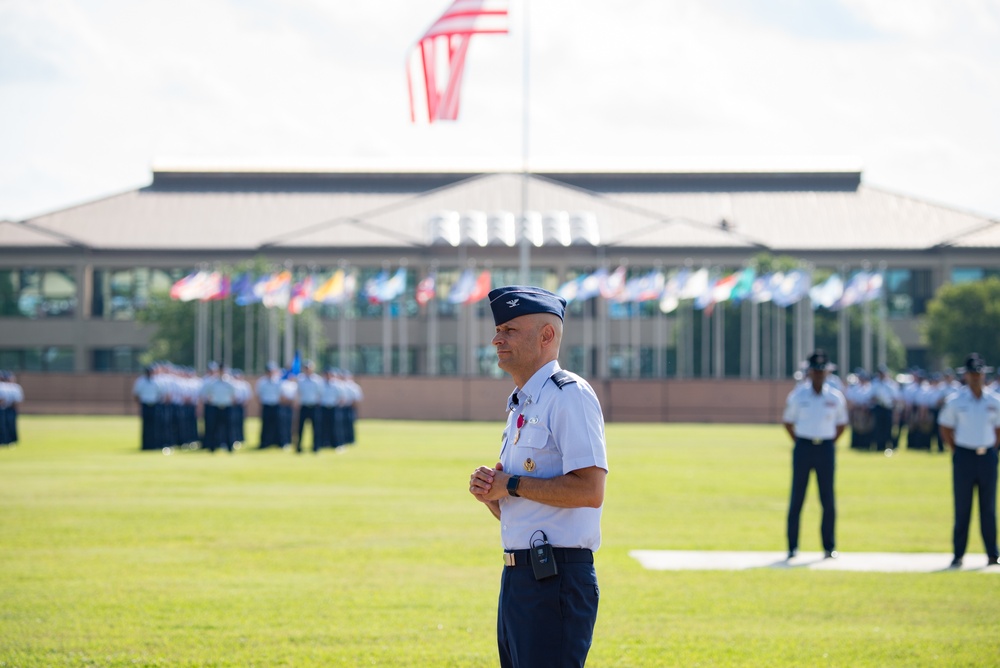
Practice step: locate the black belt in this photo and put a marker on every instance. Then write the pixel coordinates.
(814, 441)
(979, 451)
(563, 555)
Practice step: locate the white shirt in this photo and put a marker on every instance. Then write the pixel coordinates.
(815, 416)
(146, 390)
(331, 393)
(219, 392)
(884, 392)
(310, 386)
(269, 390)
(975, 421)
(859, 394)
(563, 431)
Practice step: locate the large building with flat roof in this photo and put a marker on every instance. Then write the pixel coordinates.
(73, 281)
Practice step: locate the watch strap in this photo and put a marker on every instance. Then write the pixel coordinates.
(512, 484)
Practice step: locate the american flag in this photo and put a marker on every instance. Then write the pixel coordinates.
(437, 61)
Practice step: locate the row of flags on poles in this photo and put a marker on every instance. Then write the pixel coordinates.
(703, 287)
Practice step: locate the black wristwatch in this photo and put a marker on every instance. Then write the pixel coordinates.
(512, 483)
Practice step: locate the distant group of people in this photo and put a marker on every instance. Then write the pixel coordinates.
(882, 408)
(11, 396)
(964, 416)
(172, 398)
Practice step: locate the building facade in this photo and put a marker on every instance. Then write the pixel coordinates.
(74, 282)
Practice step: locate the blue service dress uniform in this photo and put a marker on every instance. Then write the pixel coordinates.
(549, 622)
(815, 419)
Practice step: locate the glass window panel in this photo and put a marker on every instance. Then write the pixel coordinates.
(121, 288)
(448, 360)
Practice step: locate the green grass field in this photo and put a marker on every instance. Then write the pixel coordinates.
(379, 556)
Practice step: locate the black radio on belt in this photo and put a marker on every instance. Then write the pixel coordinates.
(543, 561)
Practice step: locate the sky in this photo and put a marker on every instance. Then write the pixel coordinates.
(95, 94)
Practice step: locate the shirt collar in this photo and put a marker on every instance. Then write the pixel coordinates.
(522, 396)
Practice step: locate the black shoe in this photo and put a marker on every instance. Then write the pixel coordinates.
(831, 554)
(792, 554)
(956, 562)
(993, 561)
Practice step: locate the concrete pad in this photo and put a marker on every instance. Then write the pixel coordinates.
(874, 562)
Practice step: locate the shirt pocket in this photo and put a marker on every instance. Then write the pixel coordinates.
(534, 434)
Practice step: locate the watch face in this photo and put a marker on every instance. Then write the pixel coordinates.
(512, 484)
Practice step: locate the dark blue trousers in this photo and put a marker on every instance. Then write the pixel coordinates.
(284, 424)
(270, 431)
(312, 414)
(546, 623)
(969, 471)
(807, 457)
(150, 435)
(883, 427)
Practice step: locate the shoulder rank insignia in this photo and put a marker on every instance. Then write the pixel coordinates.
(562, 377)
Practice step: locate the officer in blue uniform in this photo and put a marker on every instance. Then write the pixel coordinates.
(815, 416)
(269, 393)
(970, 425)
(310, 386)
(148, 394)
(547, 490)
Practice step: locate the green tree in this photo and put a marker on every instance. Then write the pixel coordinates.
(962, 318)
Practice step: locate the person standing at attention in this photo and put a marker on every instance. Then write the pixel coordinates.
(970, 426)
(547, 490)
(310, 387)
(815, 417)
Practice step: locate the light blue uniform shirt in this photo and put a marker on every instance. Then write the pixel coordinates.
(563, 431)
(269, 390)
(975, 421)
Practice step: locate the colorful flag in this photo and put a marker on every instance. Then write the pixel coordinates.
(590, 286)
(437, 62)
(696, 285)
(393, 287)
(743, 285)
(481, 288)
(613, 285)
(190, 287)
(720, 292)
(277, 290)
(791, 290)
(644, 288)
(426, 289)
(216, 287)
(374, 286)
(331, 290)
(854, 291)
(571, 288)
(462, 288)
(243, 290)
(827, 293)
(873, 290)
(301, 296)
(765, 286)
(670, 299)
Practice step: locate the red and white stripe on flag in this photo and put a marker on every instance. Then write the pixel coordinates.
(436, 63)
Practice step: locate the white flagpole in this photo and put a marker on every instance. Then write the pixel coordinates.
(525, 248)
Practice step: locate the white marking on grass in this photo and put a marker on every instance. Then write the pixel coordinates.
(874, 562)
